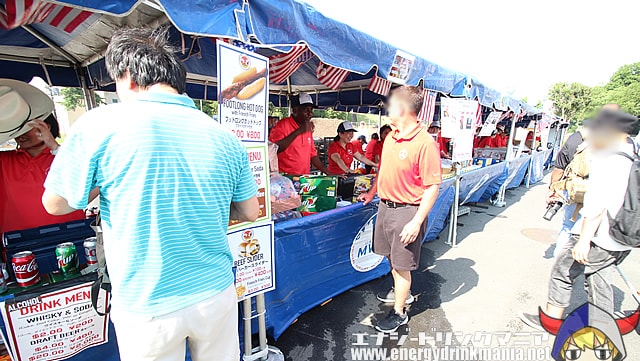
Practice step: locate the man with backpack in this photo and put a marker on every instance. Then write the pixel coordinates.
(609, 214)
(557, 189)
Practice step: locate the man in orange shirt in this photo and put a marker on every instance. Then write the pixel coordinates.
(408, 184)
(294, 137)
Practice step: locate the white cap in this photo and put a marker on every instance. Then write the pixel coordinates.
(305, 99)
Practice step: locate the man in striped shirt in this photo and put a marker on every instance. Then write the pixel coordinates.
(169, 178)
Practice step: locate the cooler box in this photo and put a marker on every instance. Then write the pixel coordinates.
(484, 162)
(42, 241)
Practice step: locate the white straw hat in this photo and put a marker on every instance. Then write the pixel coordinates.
(20, 103)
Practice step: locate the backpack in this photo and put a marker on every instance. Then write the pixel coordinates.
(103, 281)
(576, 178)
(625, 226)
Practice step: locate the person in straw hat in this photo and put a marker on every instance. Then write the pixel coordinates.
(26, 116)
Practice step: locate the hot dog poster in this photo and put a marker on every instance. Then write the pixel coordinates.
(253, 259)
(243, 79)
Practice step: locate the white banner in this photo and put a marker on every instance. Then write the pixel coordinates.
(463, 146)
(456, 115)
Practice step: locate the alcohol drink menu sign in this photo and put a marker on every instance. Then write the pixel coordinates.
(55, 325)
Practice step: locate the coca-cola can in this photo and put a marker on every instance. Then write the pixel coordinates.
(90, 250)
(25, 268)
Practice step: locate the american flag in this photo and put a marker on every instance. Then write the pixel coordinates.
(380, 85)
(281, 66)
(24, 12)
(428, 107)
(331, 76)
(479, 121)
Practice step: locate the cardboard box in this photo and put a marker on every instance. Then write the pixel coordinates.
(315, 204)
(318, 186)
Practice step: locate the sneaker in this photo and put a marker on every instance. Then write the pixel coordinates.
(531, 320)
(390, 297)
(392, 322)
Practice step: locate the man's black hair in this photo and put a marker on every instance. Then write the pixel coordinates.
(384, 128)
(53, 125)
(148, 57)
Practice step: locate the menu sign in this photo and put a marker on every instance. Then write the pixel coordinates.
(243, 78)
(490, 124)
(259, 165)
(253, 259)
(55, 325)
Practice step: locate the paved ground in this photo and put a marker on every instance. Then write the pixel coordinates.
(464, 294)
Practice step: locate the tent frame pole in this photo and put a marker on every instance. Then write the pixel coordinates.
(50, 44)
(453, 216)
(500, 202)
(533, 149)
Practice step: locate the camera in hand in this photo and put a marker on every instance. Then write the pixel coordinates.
(552, 209)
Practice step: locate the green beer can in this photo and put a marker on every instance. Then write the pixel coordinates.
(67, 258)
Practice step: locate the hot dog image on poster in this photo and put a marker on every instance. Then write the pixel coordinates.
(243, 78)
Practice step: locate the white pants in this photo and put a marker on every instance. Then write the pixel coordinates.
(210, 327)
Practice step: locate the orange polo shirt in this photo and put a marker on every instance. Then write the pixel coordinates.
(296, 158)
(408, 166)
(21, 186)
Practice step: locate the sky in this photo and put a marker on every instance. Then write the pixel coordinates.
(518, 47)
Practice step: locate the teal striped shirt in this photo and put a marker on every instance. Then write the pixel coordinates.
(167, 175)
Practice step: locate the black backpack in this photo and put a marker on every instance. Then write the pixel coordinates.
(625, 226)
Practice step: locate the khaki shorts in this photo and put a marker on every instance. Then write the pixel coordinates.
(210, 327)
(386, 237)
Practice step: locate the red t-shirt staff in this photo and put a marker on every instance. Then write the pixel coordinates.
(408, 184)
(342, 151)
(23, 171)
(294, 137)
(374, 149)
(443, 143)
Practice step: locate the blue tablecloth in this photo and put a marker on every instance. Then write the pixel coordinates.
(480, 184)
(517, 170)
(538, 161)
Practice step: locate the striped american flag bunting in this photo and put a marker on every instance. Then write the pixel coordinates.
(428, 107)
(281, 66)
(331, 76)
(479, 121)
(17, 13)
(380, 85)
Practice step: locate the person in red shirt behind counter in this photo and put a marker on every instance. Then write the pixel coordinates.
(342, 151)
(25, 112)
(294, 137)
(497, 140)
(443, 143)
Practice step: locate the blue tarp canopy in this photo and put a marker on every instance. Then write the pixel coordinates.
(69, 42)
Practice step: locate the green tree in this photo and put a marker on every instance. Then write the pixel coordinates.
(73, 98)
(209, 107)
(571, 101)
(625, 76)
